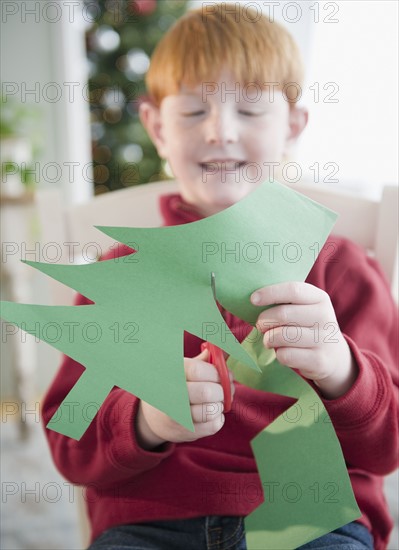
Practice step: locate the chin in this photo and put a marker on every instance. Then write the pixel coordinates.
(230, 198)
(219, 203)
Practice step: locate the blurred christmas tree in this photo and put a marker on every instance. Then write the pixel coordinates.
(119, 44)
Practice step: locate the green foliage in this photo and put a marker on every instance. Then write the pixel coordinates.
(19, 121)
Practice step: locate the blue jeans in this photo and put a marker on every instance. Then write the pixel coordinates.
(214, 533)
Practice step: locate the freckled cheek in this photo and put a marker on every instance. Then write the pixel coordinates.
(183, 151)
(263, 151)
(184, 135)
(178, 136)
(268, 147)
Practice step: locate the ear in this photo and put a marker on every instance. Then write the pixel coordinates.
(150, 118)
(298, 119)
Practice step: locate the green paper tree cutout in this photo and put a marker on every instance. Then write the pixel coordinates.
(163, 289)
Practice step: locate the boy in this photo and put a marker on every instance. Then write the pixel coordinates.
(147, 477)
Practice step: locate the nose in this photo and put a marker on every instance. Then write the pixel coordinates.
(221, 128)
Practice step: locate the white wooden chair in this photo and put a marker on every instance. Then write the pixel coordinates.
(370, 223)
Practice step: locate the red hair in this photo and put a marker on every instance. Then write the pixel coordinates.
(204, 40)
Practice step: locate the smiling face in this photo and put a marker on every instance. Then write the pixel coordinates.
(220, 138)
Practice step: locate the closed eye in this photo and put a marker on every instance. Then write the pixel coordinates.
(251, 113)
(194, 113)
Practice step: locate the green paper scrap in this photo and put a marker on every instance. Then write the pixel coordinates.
(132, 336)
(306, 485)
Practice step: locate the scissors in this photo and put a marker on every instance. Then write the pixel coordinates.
(216, 357)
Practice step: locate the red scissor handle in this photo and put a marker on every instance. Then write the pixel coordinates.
(216, 357)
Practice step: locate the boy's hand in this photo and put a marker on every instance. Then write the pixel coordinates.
(154, 427)
(305, 334)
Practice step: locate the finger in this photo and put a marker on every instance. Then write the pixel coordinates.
(203, 356)
(206, 411)
(306, 316)
(204, 429)
(200, 371)
(305, 360)
(288, 293)
(291, 336)
(204, 392)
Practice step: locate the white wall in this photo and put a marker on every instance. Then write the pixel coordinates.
(359, 132)
(43, 63)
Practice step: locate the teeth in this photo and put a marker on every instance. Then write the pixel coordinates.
(225, 165)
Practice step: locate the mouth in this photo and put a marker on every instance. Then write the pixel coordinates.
(228, 165)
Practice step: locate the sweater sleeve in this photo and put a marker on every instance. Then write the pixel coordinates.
(366, 417)
(108, 452)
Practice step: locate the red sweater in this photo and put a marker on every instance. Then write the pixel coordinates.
(211, 476)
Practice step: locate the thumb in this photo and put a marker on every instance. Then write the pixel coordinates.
(203, 356)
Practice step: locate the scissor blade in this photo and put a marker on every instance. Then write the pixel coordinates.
(213, 285)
